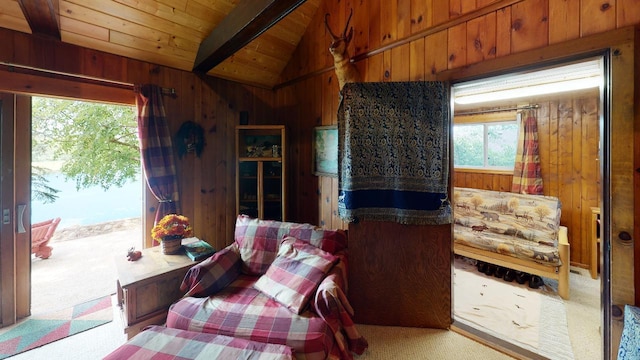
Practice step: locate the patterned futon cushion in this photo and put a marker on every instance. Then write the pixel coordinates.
(258, 240)
(213, 274)
(534, 218)
(295, 273)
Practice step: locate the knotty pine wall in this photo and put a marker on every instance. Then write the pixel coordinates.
(207, 184)
(464, 32)
(406, 40)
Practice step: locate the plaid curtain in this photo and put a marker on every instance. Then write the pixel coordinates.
(527, 176)
(156, 149)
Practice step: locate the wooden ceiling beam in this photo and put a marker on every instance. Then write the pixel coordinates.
(43, 17)
(245, 22)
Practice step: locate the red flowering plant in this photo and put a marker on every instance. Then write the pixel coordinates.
(172, 226)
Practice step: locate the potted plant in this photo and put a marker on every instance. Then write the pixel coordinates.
(170, 231)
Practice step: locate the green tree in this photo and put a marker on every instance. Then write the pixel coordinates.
(40, 186)
(468, 145)
(502, 141)
(97, 143)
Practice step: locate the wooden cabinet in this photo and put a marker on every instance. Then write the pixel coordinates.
(147, 287)
(261, 171)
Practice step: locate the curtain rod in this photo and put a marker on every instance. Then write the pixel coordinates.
(524, 107)
(87, 79)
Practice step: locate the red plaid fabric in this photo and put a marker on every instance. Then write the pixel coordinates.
(157, 342)
(259, 240)
(295, 273)
(243, 312)
(527, 173)
(213, 274)
(156, 149)
(331, 304)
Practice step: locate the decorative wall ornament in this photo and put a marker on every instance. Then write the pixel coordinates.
(346, 71)
(190, 138)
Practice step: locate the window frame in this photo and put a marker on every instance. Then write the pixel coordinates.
(485, 119)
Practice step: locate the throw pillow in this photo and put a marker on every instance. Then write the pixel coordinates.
(258, 240)
(295, 273)
(213, 274)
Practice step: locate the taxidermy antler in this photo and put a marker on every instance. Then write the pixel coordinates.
(346, 71)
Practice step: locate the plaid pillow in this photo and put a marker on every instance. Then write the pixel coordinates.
(258, 240)
(295, 273)
(213, 274)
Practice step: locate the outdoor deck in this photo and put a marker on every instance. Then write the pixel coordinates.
(81, 266)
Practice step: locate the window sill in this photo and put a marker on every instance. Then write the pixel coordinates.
(484, 171)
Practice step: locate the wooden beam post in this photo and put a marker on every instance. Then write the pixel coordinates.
(43, 17)
(245, 22)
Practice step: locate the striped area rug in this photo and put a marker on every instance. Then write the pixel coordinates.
(39, 330)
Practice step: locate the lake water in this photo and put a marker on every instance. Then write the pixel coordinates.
(89, 206)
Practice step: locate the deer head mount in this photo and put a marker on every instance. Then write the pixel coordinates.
(346, 71)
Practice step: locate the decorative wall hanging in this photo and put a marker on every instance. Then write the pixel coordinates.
(394, 152)
(190, 138)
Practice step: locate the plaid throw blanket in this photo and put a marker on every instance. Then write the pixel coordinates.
(157, 342)
(394, 152)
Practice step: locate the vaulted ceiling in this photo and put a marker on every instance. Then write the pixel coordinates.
(248, 41)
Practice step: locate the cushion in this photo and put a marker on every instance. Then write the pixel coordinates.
(258, 240)
(534, 218)
(242, 311)
(295, 273)
(213, 274)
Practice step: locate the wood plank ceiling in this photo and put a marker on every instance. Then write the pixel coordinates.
(171, 32)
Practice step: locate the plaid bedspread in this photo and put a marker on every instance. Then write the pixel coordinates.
(158, 342)
(244, 312)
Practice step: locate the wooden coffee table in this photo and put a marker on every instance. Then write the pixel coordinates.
(147, 287)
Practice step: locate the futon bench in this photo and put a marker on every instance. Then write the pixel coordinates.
(517, 231)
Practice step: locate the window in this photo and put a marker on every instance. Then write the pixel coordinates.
(487, 145)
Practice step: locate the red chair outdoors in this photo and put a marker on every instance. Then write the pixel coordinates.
(41, 234)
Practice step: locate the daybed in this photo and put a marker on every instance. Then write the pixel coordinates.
(278, 283)
(516, 231)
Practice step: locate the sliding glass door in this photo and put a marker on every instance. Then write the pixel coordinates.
(15, 194)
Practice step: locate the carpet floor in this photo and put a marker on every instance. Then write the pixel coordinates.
(39, 330)
(533, 319)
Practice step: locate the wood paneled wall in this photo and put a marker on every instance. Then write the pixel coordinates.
(568, 135)
(425, 40)
(207, 183)
(402, 40)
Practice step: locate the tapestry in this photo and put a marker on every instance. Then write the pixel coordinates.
(393, 152)
(39, 330)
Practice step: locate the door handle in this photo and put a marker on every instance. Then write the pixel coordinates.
(21, 209)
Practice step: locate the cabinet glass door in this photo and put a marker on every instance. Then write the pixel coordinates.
(248, 188)
(272, 185)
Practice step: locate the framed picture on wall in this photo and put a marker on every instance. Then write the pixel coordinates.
(325, 151)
